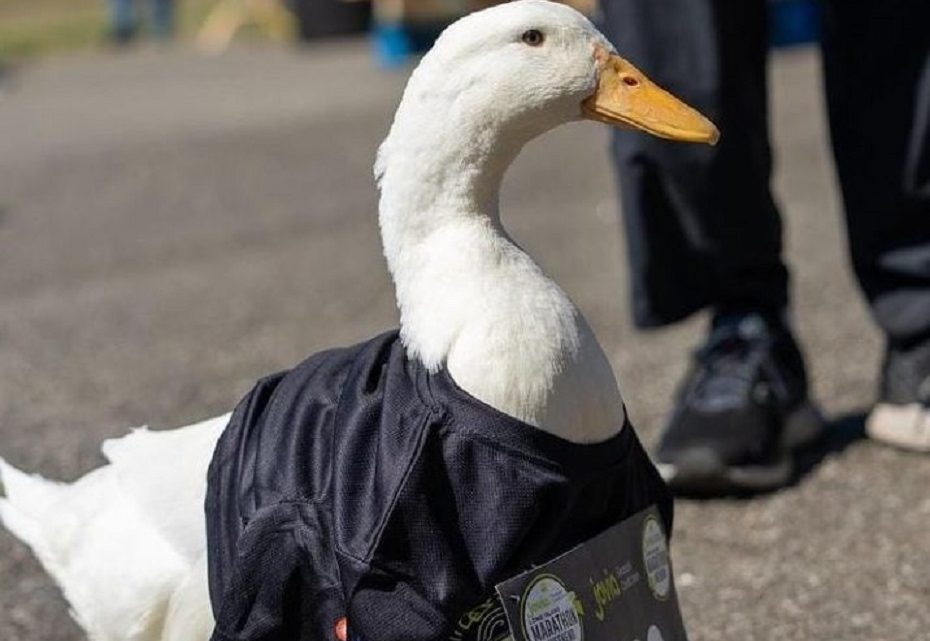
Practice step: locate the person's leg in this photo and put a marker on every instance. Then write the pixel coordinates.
(702, 227)
(122, 20)
(877, 73)
(162, 18)
(703, 231)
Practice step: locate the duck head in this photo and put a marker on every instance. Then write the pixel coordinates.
(500, 77)
(534, 64)
(519, 69)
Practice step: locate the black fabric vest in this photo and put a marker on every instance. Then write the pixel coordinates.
(358, 484)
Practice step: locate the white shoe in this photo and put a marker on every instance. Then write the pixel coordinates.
(905, 426)
(902, 415)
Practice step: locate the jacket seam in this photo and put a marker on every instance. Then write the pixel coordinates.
(623, 451)
(414, 457)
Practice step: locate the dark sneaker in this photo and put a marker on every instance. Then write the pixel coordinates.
(902, 415)
(741, 411)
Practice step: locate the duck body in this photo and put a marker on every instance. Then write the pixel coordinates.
(364, 485)
(480, 322)
(319, 450)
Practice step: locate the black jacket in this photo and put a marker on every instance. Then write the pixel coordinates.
(358, 484)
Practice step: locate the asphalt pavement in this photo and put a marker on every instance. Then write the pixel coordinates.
(173, 227)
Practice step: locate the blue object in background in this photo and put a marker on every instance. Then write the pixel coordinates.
(392, 44)
(793, 22)
(395, 43)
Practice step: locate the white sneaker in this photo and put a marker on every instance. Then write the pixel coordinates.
(902, 415)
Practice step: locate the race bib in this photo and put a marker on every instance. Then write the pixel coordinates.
(617, 586)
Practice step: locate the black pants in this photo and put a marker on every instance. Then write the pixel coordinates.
(702, 226)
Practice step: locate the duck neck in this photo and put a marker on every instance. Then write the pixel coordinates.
(440, 225)
(436, 179)
(469, 298)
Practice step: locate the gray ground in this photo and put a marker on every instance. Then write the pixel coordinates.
(173, 227)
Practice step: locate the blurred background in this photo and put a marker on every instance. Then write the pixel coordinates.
(30, 28)
(186, 204)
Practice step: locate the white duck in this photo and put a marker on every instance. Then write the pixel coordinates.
(126, 542)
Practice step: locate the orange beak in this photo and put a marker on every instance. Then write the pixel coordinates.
(626, 97)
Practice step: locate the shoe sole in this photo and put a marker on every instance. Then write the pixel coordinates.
(903, 426)
(702, 471)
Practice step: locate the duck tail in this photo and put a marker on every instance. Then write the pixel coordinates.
(34, 509)
(20, 509)
(114, 570)
(125, 537)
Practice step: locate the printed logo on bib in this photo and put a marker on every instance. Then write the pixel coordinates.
(486, 622)
(655, 558)
(549, 612)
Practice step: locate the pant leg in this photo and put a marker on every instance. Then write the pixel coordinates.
(877, 73)
(701, 223)
(122, 16)
(162, 17)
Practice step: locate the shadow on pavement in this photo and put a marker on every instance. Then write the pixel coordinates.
(5, 75)
(839, 433)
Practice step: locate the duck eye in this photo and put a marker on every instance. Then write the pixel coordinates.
(533, 37)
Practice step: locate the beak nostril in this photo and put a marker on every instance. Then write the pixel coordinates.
(630, 81)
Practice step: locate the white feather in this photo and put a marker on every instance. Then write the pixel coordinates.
(123, 539)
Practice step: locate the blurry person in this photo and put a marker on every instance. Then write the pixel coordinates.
(124, 21)
(705, 232)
